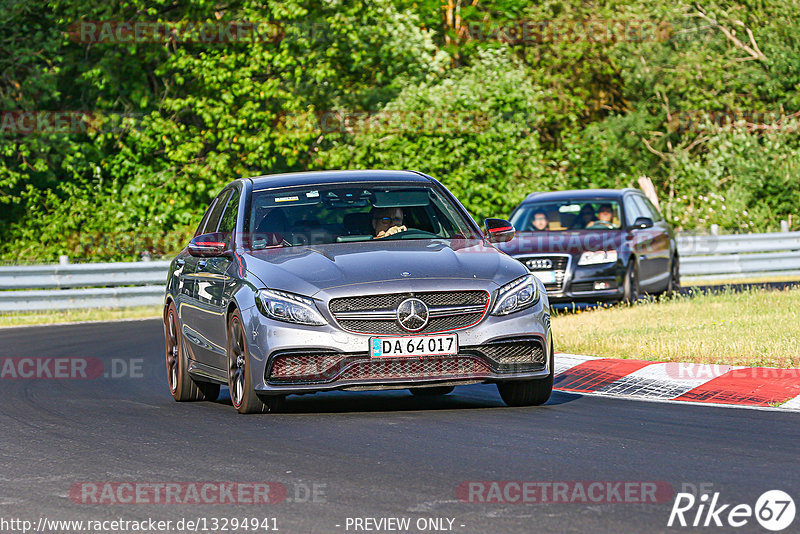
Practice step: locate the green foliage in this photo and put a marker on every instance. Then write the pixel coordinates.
(478, 138)
(741, 182)
(203, 115)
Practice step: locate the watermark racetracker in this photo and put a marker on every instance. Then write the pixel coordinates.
(69, 368)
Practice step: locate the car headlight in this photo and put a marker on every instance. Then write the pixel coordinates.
(598, 257)
(517, 295)
(289, 308)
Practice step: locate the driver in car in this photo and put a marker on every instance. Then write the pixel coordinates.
(387, 221)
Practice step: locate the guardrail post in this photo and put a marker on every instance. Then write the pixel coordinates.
(714, 229)
(784, 226)
(63, 260)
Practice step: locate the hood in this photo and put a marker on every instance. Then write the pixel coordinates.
(570, 242)
(393, 264)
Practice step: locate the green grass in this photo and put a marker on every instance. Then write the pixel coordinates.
(748, 280)
(753, 328)
(79, 315)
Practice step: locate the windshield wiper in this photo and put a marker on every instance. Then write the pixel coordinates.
(264, 246)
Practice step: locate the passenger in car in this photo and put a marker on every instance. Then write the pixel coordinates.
(387, 221)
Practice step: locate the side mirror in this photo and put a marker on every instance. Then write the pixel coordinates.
(642, 222)
(498, 230)
(208, 245)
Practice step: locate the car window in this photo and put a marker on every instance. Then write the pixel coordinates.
(228, 223)
(216, 213)
(521, 218)
(633, 211)
(327, 214)
(644, 209)
(204, 220)
(655, 215)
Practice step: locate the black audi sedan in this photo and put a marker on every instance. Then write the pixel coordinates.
(595, 245)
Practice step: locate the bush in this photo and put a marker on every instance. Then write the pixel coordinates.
(473, 129)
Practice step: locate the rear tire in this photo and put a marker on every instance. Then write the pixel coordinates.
(182, 386)
(240, 379)
(529, 392)
(432, 391)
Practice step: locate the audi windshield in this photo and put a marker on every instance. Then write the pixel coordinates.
(325, 214)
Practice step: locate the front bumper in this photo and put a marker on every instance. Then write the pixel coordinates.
(579, 285)
(288, 359)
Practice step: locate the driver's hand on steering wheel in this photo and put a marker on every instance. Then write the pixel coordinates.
(391, 231)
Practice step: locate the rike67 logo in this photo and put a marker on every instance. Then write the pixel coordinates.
(774, 510)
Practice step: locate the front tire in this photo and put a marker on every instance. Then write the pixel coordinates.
(529, 392)
(240, 379)
(431, 391)
(182, 386)
(631, 283)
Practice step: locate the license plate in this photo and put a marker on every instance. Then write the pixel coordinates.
(396, 347)
(547, 277)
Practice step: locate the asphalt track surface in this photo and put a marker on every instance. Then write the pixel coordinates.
(371, 454)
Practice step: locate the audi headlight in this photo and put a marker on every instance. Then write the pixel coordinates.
(598, 257)
(517, 295)
(289, 308)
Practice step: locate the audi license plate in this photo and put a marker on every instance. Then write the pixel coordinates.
(397, 347)
(547, 277)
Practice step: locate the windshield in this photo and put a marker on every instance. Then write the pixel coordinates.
(593, 214)
(341, 213)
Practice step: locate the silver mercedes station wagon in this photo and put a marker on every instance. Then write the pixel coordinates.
(351, 280)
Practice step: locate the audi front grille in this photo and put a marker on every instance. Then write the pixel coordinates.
(558, 263)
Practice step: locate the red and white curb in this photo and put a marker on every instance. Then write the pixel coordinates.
(672, 381)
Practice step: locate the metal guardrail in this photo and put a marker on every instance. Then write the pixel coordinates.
(83, 275)
(703, 245)
(717, 257)
(117, 285)
(64, 299)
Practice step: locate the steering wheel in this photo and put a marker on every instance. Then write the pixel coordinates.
(600, 224)
(412, 233)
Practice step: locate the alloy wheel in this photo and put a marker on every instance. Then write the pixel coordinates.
(173, 351)
(236, 362)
